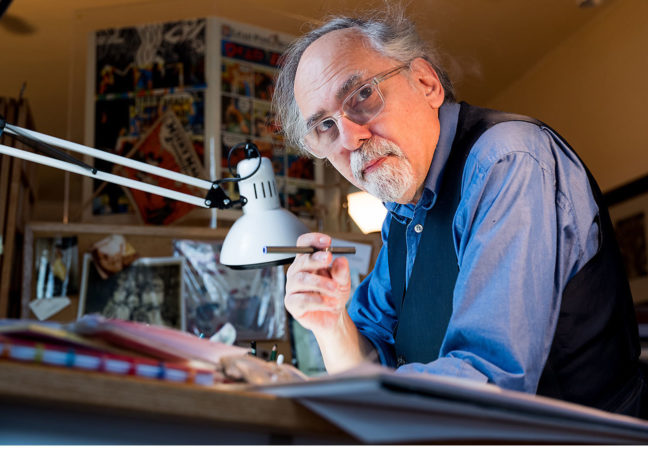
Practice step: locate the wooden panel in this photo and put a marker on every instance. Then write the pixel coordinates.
(16, 199)
(5, 171)
(9, 201)
(5, 162)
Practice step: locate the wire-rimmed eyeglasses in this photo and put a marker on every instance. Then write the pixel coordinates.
(361, 106)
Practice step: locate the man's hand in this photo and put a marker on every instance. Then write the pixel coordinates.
(316, 289)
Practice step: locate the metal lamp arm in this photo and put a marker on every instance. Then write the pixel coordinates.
(215, 198)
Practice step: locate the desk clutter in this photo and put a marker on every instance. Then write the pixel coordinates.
(178, 283)
(126, 348)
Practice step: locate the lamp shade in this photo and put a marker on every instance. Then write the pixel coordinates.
(263, 223)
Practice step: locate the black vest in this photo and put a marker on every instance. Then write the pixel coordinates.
(594, 354)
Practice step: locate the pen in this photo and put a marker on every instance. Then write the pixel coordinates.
(253, 350)
(279, 249)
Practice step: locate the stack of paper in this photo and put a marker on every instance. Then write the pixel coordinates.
(380, 406)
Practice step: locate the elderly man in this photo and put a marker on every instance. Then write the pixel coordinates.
(499, 262)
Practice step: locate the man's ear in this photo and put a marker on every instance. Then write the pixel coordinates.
(425, 78)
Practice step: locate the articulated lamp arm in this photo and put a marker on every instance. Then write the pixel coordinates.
(215, 198)
(263, 222)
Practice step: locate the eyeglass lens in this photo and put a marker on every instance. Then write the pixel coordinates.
(360, 107)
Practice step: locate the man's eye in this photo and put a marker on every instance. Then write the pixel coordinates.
(360, 96)
(325, 125)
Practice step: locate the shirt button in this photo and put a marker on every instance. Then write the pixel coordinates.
(418, 228)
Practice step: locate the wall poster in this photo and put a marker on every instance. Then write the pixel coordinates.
(142, 73)
(217, 78)
(249, 61)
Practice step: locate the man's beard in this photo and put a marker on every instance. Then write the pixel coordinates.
(390, 181)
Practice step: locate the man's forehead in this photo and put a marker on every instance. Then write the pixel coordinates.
(335, 63)
(339, 51)
(333, 43)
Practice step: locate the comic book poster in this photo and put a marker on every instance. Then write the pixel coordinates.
(249, 64)
(236, 114)
(140, 73)
(152, 56)
(143, 71)
(166, 145)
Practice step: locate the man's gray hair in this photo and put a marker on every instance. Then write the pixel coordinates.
(390, 33)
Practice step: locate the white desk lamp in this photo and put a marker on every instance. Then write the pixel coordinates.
(263, 223)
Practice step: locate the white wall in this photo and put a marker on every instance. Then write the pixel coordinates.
(593, 89)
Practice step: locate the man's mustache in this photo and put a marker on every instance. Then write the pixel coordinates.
(371, 150)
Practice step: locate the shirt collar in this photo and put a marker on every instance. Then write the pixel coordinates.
(448, 117)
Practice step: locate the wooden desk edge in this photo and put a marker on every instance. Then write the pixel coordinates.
(222, 404)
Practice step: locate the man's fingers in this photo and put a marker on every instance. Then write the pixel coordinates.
(340, 273)
(310, 262)
(300, 303)
(320, 282)
(318, 240)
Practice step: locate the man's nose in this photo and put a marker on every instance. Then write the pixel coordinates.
(352, 135)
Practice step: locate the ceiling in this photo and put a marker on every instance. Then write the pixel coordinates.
(491, 42)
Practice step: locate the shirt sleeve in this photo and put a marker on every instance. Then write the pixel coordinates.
(371, 307)
(506, 300)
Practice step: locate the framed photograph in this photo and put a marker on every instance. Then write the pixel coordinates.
(150, 291)
(628, 207)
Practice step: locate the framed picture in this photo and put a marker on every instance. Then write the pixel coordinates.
(628, 207)
(150, 291)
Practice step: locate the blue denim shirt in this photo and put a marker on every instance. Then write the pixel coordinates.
(524, 226)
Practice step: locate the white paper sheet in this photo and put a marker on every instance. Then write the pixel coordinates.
(379, 406)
